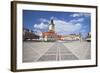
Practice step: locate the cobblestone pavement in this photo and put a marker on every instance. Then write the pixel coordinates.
(51, 51)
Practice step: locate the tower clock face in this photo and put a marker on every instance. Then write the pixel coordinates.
(50, 27)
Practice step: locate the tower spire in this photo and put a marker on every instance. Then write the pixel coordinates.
(52, 25)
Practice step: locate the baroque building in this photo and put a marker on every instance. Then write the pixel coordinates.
(51, 35)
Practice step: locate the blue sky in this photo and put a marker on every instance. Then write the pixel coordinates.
(65, 22)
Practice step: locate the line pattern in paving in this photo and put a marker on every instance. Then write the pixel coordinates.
(57, 52)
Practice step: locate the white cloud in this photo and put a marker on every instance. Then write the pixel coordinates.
(40, 26)
(52, 17)
(76, 15)
(80, 19)
(37, 32)
(77, 20)
(87, 14)
(44, 20)
(63, 27)
(80, 14)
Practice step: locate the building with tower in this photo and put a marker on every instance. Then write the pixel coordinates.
(51, 35)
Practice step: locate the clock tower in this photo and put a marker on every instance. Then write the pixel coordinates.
(52, 25)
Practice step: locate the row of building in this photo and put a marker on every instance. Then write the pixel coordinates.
(29, 35)
(50, 35)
